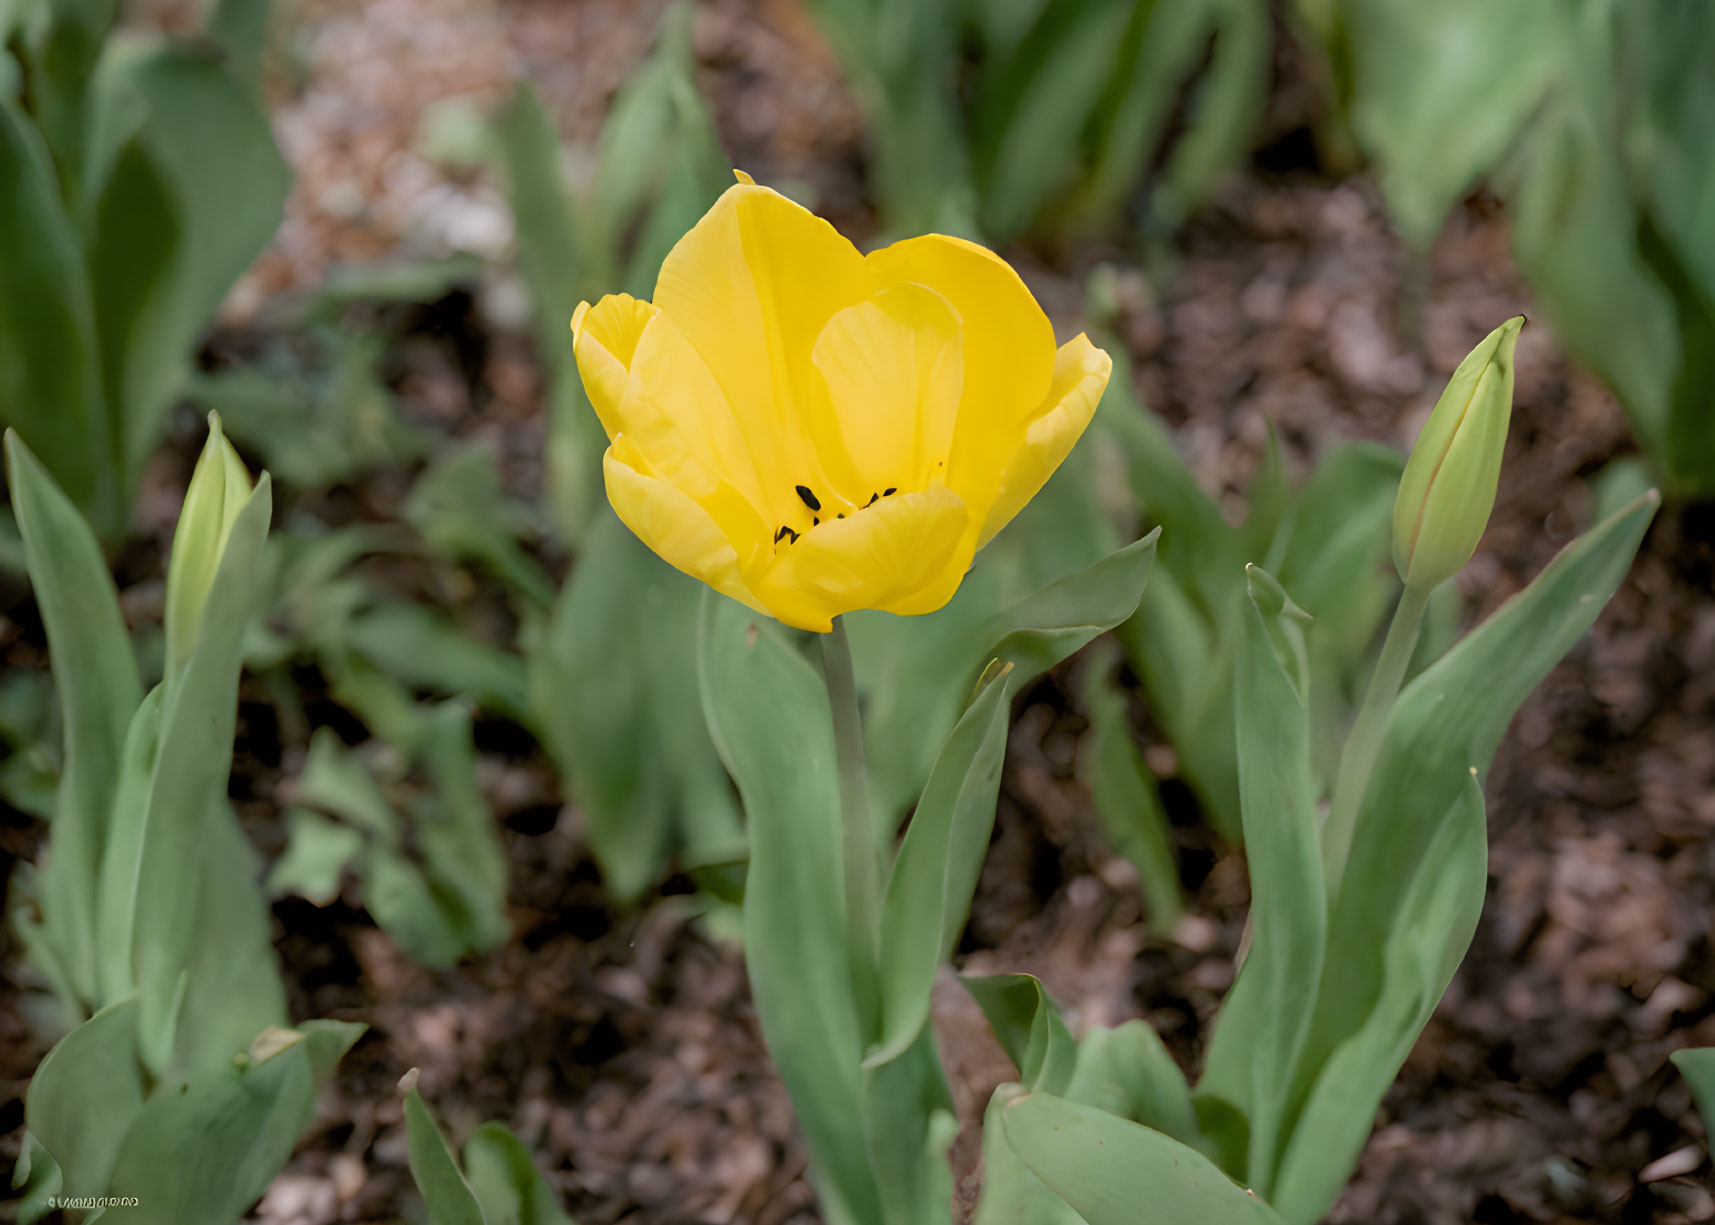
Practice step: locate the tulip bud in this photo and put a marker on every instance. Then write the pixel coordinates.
(1449, 484)
(219, 488)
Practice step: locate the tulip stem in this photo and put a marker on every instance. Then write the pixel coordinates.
(1368, 729)
(862, 855)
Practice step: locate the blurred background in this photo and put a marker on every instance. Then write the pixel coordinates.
(358, 231)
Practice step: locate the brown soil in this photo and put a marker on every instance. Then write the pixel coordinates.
(622, 1046)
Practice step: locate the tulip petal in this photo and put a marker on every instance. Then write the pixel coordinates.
(892, 370)
(604, 337)
(1009, 350)
(1080, 376)
(906, 554)
(671, 523)
(751, 286)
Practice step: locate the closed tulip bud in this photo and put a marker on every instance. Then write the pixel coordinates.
(219, 488)
(1449, 484)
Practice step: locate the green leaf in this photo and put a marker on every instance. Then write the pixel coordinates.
(49, 386)
(917, 671)
(334, 778)
(1442, 92)
(1265, 1019)
(1421, 947)
(1123, 791)
(449, 1198)
(1698, 1067)
(194, 758)
(1034, 107)
(1409, 898)
(461, 509)
(1223, 109)
(552, 257)
(460, 842)
(935, 873)
(768, 717)
(507, 1184)
(1116, 1172)
(1126, 1071)
(1028, 1026)
(232, 988)
(614, 695)
(95, 677)
(317, 852)
(206, 1149)
(428, 650)
(214, 158)
(85, 1095)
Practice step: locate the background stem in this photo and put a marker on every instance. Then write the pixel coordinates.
(1359, 756)
(862, 853)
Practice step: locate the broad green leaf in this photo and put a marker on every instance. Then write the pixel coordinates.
(1387, 964)
(428, 650)
(69, 37)
(1423, 946)
(461, 509)
(1567, 191)
(116, 903)
(1011, 1194)
(935, 873)
(233, 988)
(448, 1196)
(1442, 92)
(213, 151)
(398, 895)
(37, 1178)
(506, 1182)
(1225, 104)
(1698, 1067)
(917, 671)
(552, 259)
(95, 677)
(194, 758)
(458, 834)
(1116, 1172)
(1123, 791)
(50, 391)
(334, 778)
(85, 1095)
(909, 1124)
(768, 717)
(614, 696)
(206, 1149)
(1126, 1071)
(1027, 1023)
(1265, 1019)
(1033, 109)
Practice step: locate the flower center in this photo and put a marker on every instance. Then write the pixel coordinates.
(813, 504)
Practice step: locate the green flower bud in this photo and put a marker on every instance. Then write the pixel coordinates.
(219, 488)
(1449, 484)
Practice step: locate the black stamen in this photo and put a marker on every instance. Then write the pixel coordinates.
(890, 491)
(841, 515)
(873, 498)
(809, 498)
(784, 532)
(814, 521)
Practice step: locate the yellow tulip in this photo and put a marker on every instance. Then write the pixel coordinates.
(813, 431)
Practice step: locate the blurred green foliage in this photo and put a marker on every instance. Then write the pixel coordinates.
(996, 117)
(498, 1184)
(146, 917)
(140, 180)
(1595, 121)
